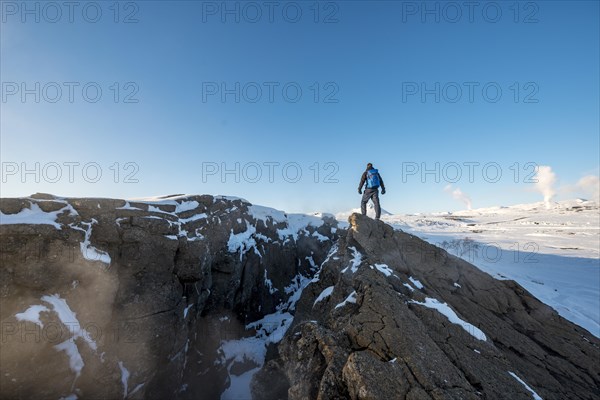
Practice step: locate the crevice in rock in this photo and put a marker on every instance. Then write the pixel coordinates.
(151, 314)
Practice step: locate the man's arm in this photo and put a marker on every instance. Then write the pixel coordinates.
(381, 181)
(362, 181)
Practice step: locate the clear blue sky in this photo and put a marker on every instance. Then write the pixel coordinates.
(362, 68)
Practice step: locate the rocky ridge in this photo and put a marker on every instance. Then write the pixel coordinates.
(390, 316)
(104, 298)
(188, 297)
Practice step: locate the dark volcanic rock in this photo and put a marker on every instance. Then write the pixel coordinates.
(392, 317)
(107, 299)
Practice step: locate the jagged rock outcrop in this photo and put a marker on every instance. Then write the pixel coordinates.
(392, 317)
(107, 299)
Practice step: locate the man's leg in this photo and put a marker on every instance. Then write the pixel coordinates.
(363, 202)
(376, 203)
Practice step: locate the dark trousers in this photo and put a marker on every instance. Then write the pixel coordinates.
(373, 194)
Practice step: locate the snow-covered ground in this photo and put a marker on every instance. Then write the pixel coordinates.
(554, 253)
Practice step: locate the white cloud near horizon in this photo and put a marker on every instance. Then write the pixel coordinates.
(587, 187)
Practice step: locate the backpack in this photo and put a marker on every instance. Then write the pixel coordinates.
(373, 178)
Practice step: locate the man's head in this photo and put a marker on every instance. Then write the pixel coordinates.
(369, 166)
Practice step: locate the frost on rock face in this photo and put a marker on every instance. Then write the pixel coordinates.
(124, 377)
(269, 284)
(297, 223)
(445, 310)
(155, 209)
(136, 389)
(415, 282)
(412, 289)
(350, 299)
(36, 216)
(242, 241)
(88, 251)
(128, 206)
(311, 261)
(355, 262)
(324, 294)
(181, 205)
(322, 238)
(194, 217)
(266, 213)
(229, 198)
(75, 361)
(186, 310)
(69, 319)
(272, 327)
(384, 269)
(295, 288)
(534, 394)
(186, 205)
(32, 314)
(333, 250)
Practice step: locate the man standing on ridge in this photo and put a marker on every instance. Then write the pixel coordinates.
(373, 180)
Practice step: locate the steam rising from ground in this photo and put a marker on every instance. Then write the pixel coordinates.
(459, 195)
(545, 180)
